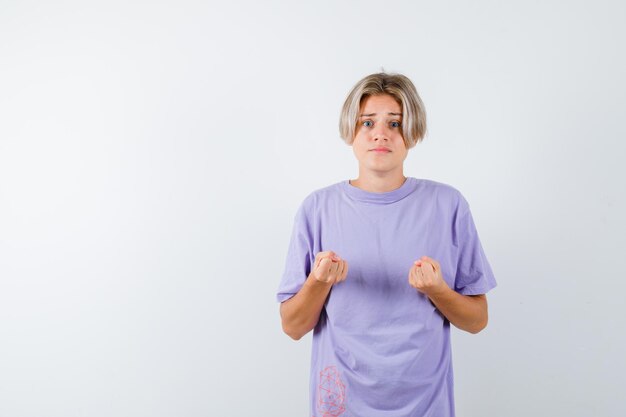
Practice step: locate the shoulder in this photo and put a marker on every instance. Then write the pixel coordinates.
(323, 193)
(319, 197)
(444, 194)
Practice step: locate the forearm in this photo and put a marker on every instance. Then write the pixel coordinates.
(300, 313)
(468, 313)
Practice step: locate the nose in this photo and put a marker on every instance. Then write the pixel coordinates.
(380, 134)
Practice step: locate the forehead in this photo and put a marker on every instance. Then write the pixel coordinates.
(383, 103)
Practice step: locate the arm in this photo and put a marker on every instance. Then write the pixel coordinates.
(300, 313)
(467, 312)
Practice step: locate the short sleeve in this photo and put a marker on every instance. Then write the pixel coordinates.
(300, 256)
(473, 274)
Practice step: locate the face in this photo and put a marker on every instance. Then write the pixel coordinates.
(379, 126)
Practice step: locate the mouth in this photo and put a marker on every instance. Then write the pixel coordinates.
(380, 150)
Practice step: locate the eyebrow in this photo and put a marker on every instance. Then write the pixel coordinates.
(374, 114)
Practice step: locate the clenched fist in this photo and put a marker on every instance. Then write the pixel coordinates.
(425, 275)
(329, 268)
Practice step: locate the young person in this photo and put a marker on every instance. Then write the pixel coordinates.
(379, 266)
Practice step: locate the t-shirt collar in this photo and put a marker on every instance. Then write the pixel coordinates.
(379, 198)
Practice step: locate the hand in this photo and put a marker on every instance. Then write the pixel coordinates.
(425, 275)
(329, 268)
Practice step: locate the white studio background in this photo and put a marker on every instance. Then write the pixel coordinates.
(153, 155)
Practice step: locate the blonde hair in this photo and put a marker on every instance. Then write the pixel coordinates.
(402, 90)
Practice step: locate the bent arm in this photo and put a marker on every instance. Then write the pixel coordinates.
(466, 312)
(300, 313)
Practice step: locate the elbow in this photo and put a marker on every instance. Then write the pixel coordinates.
(295, 336)
(293, 326)
(479, 326)
(292, 333)
(475, 330)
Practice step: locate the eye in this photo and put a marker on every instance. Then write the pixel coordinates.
(395, 124)
(368, 123)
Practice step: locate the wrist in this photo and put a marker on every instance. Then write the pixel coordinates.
(440, 292)
(313, 282)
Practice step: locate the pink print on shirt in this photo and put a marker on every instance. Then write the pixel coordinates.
(330, 393)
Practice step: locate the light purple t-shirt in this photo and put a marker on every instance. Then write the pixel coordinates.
(380, 347)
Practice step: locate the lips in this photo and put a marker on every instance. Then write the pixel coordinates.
(384, 150)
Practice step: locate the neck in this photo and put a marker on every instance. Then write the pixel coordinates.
(379, 183)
